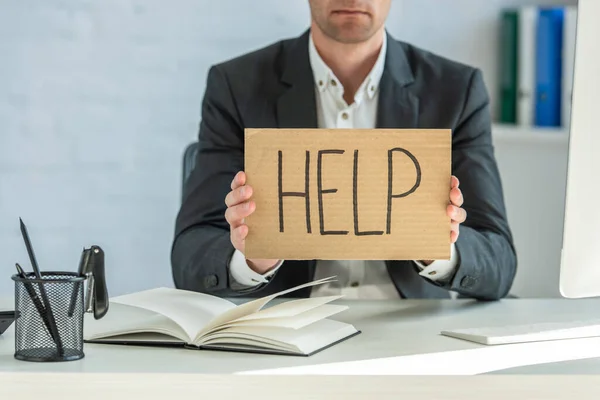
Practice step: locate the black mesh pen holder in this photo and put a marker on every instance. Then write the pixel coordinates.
(49, 317)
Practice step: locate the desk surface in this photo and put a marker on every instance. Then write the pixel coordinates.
(390, 329)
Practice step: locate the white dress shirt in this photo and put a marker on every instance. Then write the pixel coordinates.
(359, 279)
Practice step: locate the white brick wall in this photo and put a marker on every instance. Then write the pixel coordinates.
(97, 101)
(99, 98)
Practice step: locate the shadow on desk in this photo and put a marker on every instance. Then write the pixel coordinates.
(412, 310)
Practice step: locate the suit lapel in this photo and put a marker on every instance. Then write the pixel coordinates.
(296, 106)
(398, 107)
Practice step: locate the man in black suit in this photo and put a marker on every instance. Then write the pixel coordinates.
(346, 71)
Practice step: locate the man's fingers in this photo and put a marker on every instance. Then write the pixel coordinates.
(454, 182)
(238, 236)
(453, 237)
(238, 180)
(456, 214)
(454, 227)
(456, 197)
(454, 231)
(238, 195)
(234, 215)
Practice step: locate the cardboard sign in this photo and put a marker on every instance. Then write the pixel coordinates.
(356, 194)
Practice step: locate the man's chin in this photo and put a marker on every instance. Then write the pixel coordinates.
(352, 35)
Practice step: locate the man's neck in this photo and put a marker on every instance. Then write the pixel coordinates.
(351, 63)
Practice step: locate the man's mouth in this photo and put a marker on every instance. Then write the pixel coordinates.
(349, 12)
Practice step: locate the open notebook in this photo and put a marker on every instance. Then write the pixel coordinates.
(200, 321)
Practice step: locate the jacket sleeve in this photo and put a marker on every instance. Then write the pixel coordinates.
(487, 260)
(202, 248)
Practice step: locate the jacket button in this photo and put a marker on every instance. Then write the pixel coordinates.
(211, 281)
(467, 281)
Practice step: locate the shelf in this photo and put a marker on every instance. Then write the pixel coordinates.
(514, 133)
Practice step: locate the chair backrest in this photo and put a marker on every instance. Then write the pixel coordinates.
(189, 162)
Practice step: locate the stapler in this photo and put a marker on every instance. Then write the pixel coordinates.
(91, 266)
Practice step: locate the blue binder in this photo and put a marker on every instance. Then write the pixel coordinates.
(549, 44)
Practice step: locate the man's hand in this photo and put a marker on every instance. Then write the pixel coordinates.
(455, 211)
(239, 206)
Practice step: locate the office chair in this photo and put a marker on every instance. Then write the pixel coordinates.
(189, 162)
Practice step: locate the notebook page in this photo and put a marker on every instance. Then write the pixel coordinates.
(123, 319)
(251, 307)
(293, 322)
(245, 344)
(190, 310)
(144, 338)
(290, 308)
(306, 340)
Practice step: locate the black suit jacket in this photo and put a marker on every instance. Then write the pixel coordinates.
(274, 88)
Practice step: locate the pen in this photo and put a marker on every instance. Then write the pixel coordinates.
(36, 299)
(85, 256)
(49, 314)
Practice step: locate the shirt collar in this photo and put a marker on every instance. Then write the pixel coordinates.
(325, 78)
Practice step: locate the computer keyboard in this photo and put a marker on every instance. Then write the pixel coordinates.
(536, 332)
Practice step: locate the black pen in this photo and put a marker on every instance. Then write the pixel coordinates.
(49, 314)
(36, 299)
(85, 256)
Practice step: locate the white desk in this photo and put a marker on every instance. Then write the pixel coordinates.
(389, 329)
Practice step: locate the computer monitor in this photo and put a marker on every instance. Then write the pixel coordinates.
(580, 259)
